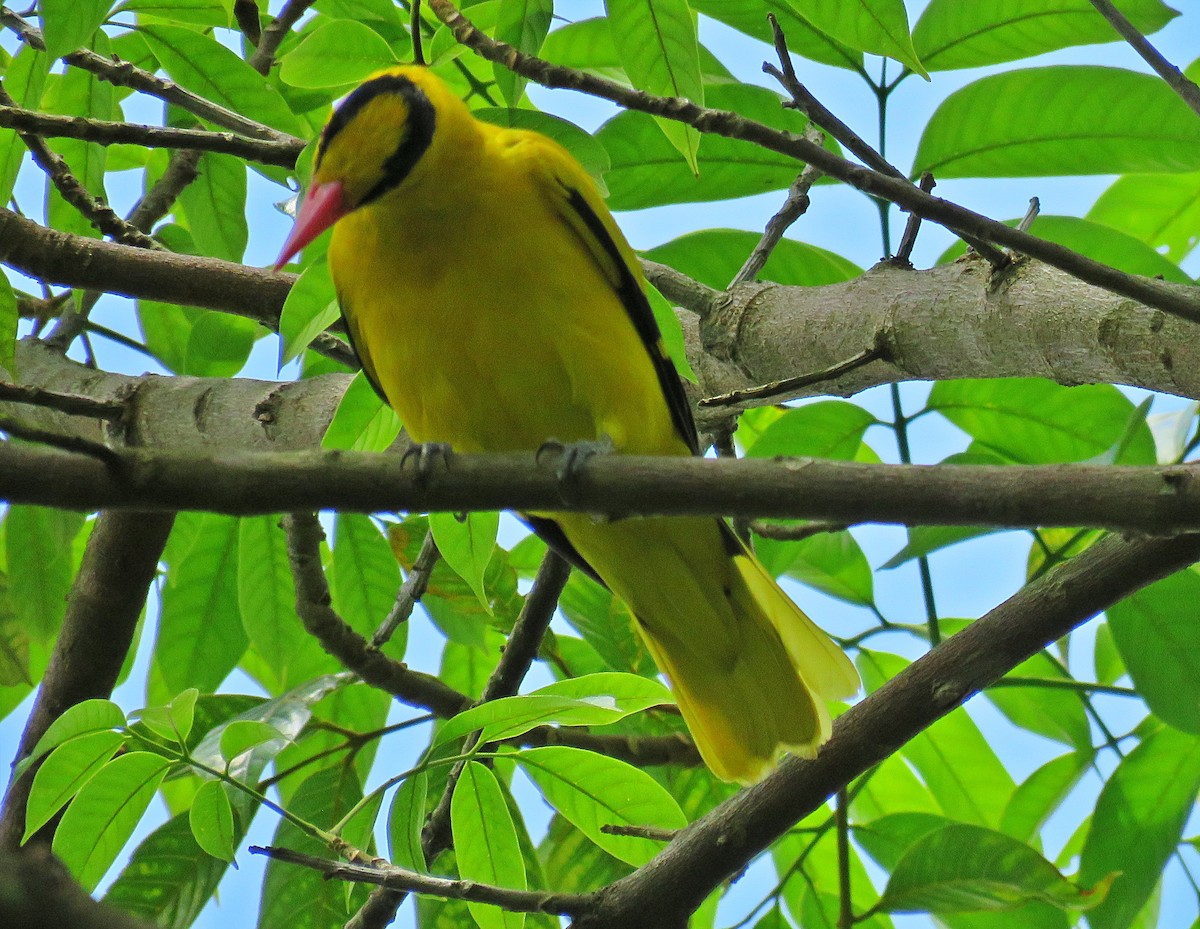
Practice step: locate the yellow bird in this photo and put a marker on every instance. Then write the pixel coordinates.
(496, 306)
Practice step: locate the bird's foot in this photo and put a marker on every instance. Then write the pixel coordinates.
(427, 456)
(570, 458)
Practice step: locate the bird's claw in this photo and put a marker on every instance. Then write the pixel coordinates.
(570, 458)
(427, 456)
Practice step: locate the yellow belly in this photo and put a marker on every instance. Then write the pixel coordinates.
(497, 338)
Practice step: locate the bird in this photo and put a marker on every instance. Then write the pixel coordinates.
(496, 306)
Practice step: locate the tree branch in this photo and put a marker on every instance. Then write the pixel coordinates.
(104, 132)
(963, 222)
(119, 564)
(123, 74)
(1187, 90)
(1164, 499)
(405, 881)
(718, 845)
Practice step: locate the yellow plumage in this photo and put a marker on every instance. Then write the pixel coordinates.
(496, 305)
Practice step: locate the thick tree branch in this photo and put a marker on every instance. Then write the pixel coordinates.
(119, 564)
(36, 892)
(1162, 499)
(958, 219)
(104, 132)
(77, 261)
(720, 844)
(275, 33)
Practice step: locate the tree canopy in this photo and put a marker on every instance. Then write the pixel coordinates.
(341, 654)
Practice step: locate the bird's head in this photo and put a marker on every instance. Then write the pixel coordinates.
(368, 148)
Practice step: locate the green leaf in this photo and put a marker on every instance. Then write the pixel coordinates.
(172, 722)
(951, 34)
(1157, 632)
(9, 317)
(714, 257)
(647, 171)
(1048, 711)
(196, 12)
(1138, 822)
(310, 308)
(25, 79)
(964, 868)
(952, 756)
(671, 330)
(605, 623)
(219, 344)
(591, 700)
(211, 819)
(83, 718)
(103, 814)
(405, 820)
(215, 205)
(336, 54)
(241, 735)
(924, 540)
(657, 42)
(1060, 120)
(363, 422)
(207, 68)
(71, 765)
(200, 636)
(1106, 659)
(825, 429)
(876, 26)
(1160, 210)
(467, 546)
(832, 562)
(594, 790)
(485, 843)
(68, 25)
(365, 575)
(169, 879)
(38, 541)
(803, 39)
(267, 604)
(1034, 421)
(1040, 794)
(580, 143)
(298, 898)
(523, 24)
(629, 693)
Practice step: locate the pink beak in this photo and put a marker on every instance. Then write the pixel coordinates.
(324, 205)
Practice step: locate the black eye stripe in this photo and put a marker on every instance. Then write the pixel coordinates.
(421, 122)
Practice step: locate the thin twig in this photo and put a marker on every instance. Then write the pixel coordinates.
(505, 680)
(908, 238)
(405, 881)
(1187, 90)
(274, 34)
(74, 404)
(123, 74)
(106, 132)
(776, 390)
(965, 223)
(795, 206)
(804, 101)
(789, 533)
(1035, 207)
(67, 443)
(411, 592)
(415, 30)
(73, 191)
(842, 820)
(653, 833)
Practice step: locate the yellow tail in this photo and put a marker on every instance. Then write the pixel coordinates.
(750, 671)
